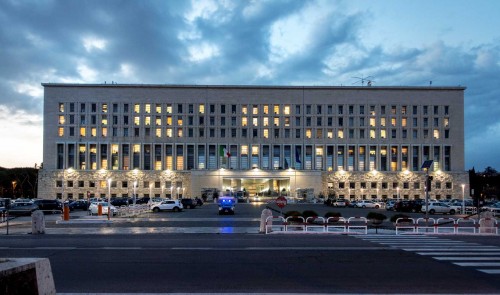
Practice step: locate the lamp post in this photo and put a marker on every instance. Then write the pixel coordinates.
(463, 198)
(397, 193)
(162, 189)
(183, 192)
(135, 191)
(109, 198)
(171, 192)
(14, 183)
(178, 188)
(150, 193)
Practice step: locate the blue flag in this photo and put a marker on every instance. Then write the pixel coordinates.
(297, 155)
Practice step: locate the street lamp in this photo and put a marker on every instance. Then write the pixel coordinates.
(178, 188)
(109, 198)
(463, 198)
(135, 192)
(397, 193)
(171, 192)
(162, 189)
(14, 183)
(150, 193)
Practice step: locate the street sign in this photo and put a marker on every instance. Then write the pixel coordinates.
(281, 202)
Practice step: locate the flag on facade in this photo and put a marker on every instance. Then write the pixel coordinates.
(223, 152)
(297, 155)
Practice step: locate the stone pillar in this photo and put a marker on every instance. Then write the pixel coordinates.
(265, 214)
(37, 223)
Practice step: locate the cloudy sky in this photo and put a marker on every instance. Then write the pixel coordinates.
(288, 42)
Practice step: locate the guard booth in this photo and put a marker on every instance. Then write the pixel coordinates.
(305, 194)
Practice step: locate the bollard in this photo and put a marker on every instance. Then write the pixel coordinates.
(37, 222)
(263, 217)
(99, 210)
(66, 213)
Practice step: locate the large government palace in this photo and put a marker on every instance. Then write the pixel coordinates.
(300, 141)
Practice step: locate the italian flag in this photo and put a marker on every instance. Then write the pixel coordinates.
(223, 152)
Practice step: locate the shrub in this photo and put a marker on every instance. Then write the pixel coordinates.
(333, 214)
(309, 213)
(376, 216)
(292, 213)
(396, 216)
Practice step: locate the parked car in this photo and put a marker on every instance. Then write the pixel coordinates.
(78, 204)
(143, 200)
(408, 206)
(22, 208)
(188, 203)
(173, 205)
(352, 204)
(438, 207)
(120, 202)
(93, 208)
(49, 206)
(495, 208)
(389, 205)
(368, 204)
(339, 203)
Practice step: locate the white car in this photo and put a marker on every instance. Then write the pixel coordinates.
(93, 208)
(439, 207)
(174, 205)
(368, 204)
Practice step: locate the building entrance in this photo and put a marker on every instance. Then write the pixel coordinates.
(264, 187)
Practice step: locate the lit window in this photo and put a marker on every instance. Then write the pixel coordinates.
(255, 121)
(147, 120)
(201, 109)
(82, 131)
(104, 107)
(179, 132)
(266, 121)
(266, 110)
(276, 109)
(93, 132)
(104, 120)
(329, 133)
(383, 133)
(276, 121)
(266, 133)
(158, 121)
(158, 132)
(61, 107)
(61, 131)
(308, 133)
(255, 150)
(169, 108)
(168, 132)
(372, 122)
(340, 133)
(169, 121)
(104, 131)
(287, 121)
(147, 108)
(137, 108)
(436, 133)
(319, 151)
(372, 134)
(244, 110)
(286, 110)
(255, 110)
(244, 121)
(158, 108)
(446, 122)
(137, 148)
(137, 121)
(393, 121)
(61, 120)
(244, 150)
(403, 122)
(382, 122)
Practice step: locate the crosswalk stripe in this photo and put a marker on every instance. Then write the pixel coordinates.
(460, 253)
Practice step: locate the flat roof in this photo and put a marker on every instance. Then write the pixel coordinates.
(113, 84)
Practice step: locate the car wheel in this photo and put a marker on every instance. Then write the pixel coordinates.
(176, 209)
(376, 206)
(452, 212)
(413, 210)
(363, 206)
(432, 211)
(156, 209)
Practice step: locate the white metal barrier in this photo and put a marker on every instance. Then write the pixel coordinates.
(274, 223)
(425, 225)
(334, 224)
(465, 225)
(295, 223)
(357, 225)
(444, 225)
(488, 226)
(406, 225)
(315, 223)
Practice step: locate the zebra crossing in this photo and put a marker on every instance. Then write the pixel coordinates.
(483, 258)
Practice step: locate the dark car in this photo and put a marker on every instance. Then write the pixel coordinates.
(408, 206)
(49, 206)
(22, 208)
(79, 204)
(188, 203)
(120, 202)
(143, 200)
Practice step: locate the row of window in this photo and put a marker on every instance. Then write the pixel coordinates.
(211, 156)
(178, 121)
(264, 133)
(254, 109)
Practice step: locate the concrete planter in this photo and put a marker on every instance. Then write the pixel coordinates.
(26, 276)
